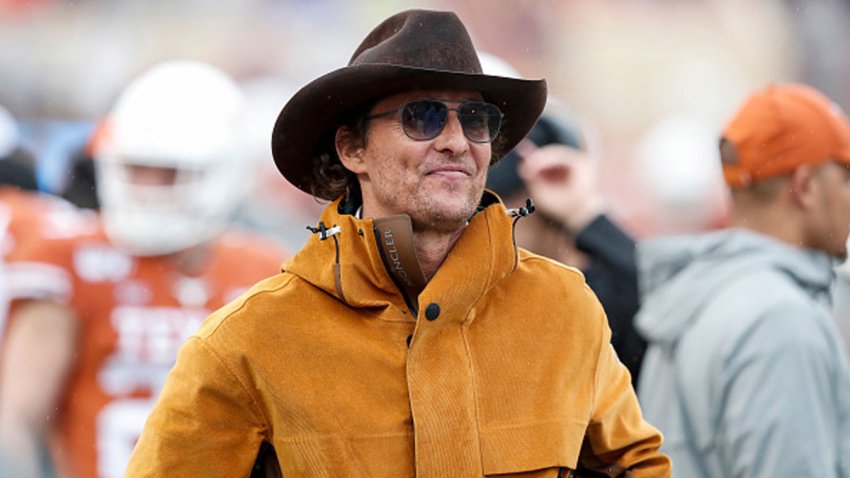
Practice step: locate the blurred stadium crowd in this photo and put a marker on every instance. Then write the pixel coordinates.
(646, 79)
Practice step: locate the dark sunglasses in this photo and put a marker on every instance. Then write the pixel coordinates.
(423, 120)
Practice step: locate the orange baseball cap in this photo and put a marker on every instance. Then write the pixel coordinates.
(780, 128)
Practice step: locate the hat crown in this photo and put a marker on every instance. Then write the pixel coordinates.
(420, 39)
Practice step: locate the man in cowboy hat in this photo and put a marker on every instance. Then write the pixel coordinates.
(409, 336)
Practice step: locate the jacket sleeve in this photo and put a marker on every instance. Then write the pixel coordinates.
(778, 413)
(619, 442)
(605, 241)
(205, 423)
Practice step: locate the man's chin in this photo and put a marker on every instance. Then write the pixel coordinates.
(443, 219)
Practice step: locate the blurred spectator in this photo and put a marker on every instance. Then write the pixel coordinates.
(745, 373)
(571, 224)
(16, 165)
(81, 188)
(24, 214)
(97, 319)
(16, 174)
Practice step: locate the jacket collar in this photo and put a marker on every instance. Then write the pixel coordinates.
(344, 259)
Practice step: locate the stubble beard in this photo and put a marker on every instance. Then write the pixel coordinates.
(433, 216)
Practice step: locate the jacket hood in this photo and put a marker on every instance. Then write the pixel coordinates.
(371, 262)
(678, 276)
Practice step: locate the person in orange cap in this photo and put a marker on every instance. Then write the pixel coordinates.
(745, 372)
(409, 336)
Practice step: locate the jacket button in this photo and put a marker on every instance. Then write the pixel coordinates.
(432, 311)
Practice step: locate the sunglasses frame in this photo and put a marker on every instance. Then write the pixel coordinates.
(461, 103)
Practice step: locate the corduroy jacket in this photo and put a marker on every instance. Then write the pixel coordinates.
(501, 365)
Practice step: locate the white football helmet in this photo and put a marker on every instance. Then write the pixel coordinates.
(183, 115)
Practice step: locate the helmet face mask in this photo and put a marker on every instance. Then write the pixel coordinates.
(148, 218)
(172, 167)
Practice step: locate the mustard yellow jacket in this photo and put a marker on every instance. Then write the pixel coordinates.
(506, 368)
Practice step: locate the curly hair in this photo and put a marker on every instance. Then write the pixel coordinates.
(330, 178)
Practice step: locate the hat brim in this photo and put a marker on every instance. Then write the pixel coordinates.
(318, 108)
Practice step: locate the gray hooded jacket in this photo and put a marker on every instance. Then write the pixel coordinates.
(745, 373)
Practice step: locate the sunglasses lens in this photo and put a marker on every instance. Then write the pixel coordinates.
(424, 119)
(481, 121)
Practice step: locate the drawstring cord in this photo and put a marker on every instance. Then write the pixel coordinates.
(325, 232)
(518, 214)
(523, 211)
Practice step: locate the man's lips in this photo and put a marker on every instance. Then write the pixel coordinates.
(453, 171)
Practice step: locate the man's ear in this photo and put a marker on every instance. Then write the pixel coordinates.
(350, 150)
(803, 186)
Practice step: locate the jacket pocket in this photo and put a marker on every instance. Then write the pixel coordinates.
(545, 447)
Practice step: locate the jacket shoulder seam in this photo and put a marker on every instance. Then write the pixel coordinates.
(243, 302)
(530, 257)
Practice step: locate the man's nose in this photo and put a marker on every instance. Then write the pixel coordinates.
(452, 137)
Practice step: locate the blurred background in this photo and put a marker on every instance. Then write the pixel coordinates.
(650, 81)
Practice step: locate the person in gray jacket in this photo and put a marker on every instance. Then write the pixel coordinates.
(745, 372)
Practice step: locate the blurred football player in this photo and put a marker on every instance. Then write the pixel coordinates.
(24, 212)
(96, 326)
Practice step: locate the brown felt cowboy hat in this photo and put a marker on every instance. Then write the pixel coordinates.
(411, 50)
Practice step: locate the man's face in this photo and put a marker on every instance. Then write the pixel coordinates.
(835, 209)
(437, 182)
